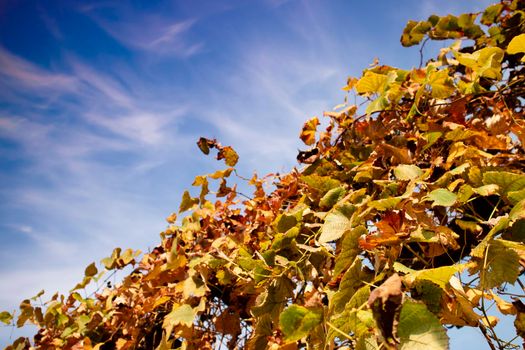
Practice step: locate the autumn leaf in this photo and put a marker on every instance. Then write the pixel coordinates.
(309, 130)
(385, 302)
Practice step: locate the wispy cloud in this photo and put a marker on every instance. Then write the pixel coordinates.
(20, 73)
(154, 33)
(67, 126)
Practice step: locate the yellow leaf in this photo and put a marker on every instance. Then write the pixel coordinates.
(516, 45)
(490, 321)
(504, 307)
(371, 83)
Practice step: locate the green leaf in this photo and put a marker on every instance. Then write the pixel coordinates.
(348, 320)
(414, 32)
(336, 223)
(517, 212)
(431, 138)
(273, 300)
(284, 222)
(429, 293)
(442, 197)
(506, 181)
(297, 322)
(322, 184)
(6, 317)
(441, 84)
(407, 172)
(420, 329)
(351, 281)
(187, 202)
(501, 264)
(386, 203)
(349, 249)
(516, 196)
(486, 190)
(439, 275)
(459, 169)
(491, 13)
(332, 197)
(379, 104)
(502, 223)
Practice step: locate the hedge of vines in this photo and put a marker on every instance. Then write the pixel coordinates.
(406, 217)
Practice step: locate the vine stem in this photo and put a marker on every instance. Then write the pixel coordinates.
(483, 330)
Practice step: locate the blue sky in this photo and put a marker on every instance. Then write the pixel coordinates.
(101, 104)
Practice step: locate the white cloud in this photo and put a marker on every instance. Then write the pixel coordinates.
(155, 33)
(22, 74)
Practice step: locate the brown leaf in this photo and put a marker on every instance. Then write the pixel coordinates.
(205, 145)
(308, 157)
(399, 155)
(385, 302)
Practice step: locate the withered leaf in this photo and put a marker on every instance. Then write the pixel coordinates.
(385, 302)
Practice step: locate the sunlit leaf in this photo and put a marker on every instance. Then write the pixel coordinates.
(180, 314)
(420, 329)
(517, 45)
(442, 197)
(336, 223)
(187, 202)
(485, 62)
(441, 84)
(386, 203)
(500, 265)
(439, 275)
(309, 130)
(229, 155)
(371, 83)
(407, 172)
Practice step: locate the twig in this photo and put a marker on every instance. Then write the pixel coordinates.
(421, 52)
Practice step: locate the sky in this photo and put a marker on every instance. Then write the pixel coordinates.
(102, 102)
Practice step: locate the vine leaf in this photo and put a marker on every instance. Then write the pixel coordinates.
(420, 329)
(91, 270)
(500, 265)
(309, 130)
(407, 172)
(297, 321)
(332, 197)
(336, 223)
(506, 181)
(439, 275)
(442, 197)
(5, 317)
(187, 202)
(385, 302)
(517, 45)
(349, 249)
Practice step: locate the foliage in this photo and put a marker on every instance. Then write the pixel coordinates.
(404, 220)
